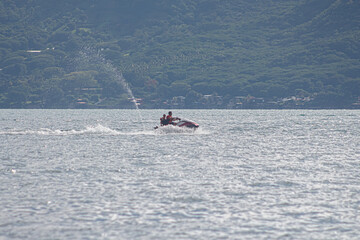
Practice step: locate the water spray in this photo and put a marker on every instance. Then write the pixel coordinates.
(90, 57)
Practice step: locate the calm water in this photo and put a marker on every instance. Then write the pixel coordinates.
(106, 174)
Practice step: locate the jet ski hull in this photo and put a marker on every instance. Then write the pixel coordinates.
(183, 124)
(187, 124)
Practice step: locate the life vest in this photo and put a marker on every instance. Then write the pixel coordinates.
(163, 121)
(169, 119)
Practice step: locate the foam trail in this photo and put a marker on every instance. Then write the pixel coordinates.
(178, 130)
(99, 129)
(104, 131)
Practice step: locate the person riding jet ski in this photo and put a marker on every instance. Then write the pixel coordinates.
(170, 119)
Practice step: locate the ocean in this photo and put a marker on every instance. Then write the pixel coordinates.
(244, 174)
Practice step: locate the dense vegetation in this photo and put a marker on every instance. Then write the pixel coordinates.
(69, 53)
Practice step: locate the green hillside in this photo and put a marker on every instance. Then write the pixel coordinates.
(184, 53)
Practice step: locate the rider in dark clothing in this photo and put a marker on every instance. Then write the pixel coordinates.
(163, 120)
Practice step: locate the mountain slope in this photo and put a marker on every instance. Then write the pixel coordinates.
(164, 49)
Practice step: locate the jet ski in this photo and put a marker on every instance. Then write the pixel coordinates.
(182, 123)
(186, 123)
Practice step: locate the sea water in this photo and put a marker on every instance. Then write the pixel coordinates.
(245, 174)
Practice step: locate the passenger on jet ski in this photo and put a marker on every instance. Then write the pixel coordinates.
(163, 120)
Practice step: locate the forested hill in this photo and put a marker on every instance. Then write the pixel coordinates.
(183, 53)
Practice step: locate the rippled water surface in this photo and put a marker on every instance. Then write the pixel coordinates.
(245, 174)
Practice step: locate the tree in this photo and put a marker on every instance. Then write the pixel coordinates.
(330, 100)
(112, 89)
(192, 97)
(13, 60)
(17, 69)
(17, 96)
(179, 88)
(54, 97)
(41, 61)
(51, 72)
(163, 91)
(352, 87)
(83, 79)
(277, 90)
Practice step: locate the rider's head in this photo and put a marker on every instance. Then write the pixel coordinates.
(170, 113)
